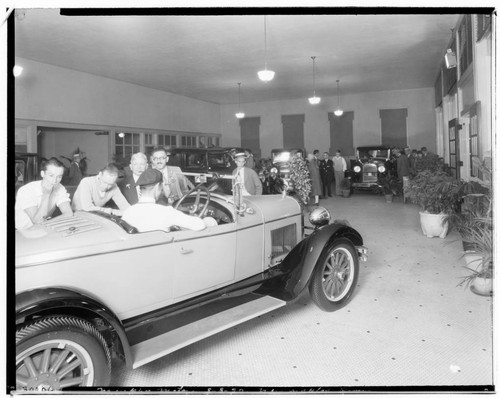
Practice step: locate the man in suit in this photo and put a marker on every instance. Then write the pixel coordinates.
(128, 186)
(251, 184)
(326, 173)
(175, 184)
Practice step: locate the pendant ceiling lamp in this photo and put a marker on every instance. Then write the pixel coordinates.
(265, 75)
(239, 114)
(338, 111)
(314, 100)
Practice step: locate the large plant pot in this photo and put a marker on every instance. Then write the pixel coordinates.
(482, 286)
(432, 225)
(346, 193)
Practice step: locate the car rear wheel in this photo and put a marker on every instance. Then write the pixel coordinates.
(335, 276)
(58, 352)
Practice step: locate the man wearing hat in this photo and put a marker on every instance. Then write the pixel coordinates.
(147, 215)
(75, 172)
(251, 184)
(175, 184)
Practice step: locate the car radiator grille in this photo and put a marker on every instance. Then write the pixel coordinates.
(283, 240)
(370, 173)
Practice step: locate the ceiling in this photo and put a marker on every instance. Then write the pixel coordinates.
(205, 56)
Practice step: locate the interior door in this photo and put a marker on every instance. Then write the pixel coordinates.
(454, 147)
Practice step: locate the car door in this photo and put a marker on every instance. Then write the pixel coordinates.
(202, 260)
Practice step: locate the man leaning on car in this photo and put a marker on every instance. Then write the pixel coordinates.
(37, 200)
(147, 215)
(93, 193)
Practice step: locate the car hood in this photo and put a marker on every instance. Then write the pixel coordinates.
(82, 234)
(274, 207)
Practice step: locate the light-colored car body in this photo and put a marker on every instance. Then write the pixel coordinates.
(90, 285)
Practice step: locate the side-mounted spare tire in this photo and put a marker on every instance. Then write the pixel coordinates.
(335, 276)
(58, 352)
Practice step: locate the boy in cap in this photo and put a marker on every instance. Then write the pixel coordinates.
(251, 184)
(147, 215)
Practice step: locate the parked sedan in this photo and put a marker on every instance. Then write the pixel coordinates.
(89, 287)
(371, 164)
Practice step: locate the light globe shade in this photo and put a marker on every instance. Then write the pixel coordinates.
(266, 75)
(338, 112)
(17, 70)
(239, 115)
(314, 100)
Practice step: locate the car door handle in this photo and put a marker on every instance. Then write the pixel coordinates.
(186, 251)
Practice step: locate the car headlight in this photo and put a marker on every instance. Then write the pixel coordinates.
(274, 170)
(357, 169)
(381, 169)
(319, 217)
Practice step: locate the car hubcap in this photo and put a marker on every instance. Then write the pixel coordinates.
(52, 366)
(337, 274)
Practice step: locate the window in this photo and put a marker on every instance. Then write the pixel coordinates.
(474, 138)
(125, 145)
(465, 41)
(188, 141)
(167, 140)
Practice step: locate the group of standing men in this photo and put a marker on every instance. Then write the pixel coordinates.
(324, 172)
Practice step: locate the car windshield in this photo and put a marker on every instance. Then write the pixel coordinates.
(284, 157)
(373, 153)
(220, 159)
(195, 160)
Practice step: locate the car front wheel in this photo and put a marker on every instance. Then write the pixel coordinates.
(335, 276)
(58, 352)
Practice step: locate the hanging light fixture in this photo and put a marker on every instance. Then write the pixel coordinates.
(338, 111)
(265, 75)
(239, 114)
(314, 100)
(17, 70)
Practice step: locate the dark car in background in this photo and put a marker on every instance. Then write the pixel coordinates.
(212, 163)
(371, 164)
(27, 168)
(281, 158)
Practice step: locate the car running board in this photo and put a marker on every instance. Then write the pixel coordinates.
(159, 346)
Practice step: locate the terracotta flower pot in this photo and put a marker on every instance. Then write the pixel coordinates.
(432, 225)
(346, 193)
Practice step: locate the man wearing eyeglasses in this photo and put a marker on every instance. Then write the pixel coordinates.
(93, 193)
(175, 184)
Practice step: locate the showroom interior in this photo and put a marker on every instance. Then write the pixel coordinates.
(113, 84)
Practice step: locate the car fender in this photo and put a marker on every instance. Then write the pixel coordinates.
(54, 300)
(299, 265)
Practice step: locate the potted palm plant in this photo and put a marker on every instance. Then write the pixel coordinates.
(474, 223)
(436, 193)
(390, 187)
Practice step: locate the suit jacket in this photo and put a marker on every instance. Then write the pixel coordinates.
(129, 190)
(251, 181)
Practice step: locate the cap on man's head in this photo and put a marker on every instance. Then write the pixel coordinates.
(150, 177)
(240, 155)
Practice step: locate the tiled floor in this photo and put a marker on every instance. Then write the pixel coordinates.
(408, 325)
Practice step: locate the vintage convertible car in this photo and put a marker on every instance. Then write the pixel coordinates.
(90, 287)
(371, 164)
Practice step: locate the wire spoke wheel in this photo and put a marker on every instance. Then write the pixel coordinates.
(335, 276)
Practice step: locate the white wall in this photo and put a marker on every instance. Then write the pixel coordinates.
(64, 143)
(50, 93)
(366, 106)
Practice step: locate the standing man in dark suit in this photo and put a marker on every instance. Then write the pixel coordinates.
(128, 186)
(326, 173)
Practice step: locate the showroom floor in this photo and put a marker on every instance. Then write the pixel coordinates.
(408, 326)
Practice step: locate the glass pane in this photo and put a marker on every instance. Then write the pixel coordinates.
(161, 140)
(118, 139)
(137, 139)
(173, 140)
(183, 141)
(119, 151)
(128, 138)
(20, 167)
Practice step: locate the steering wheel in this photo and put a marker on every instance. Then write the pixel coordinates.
(195, 211)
